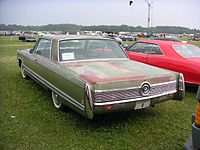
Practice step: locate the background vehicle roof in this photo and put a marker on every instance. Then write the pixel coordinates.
(167, 47)
(68, 37)
(161, 42)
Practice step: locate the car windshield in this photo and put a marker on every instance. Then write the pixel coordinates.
(70, 50)
(187, 50)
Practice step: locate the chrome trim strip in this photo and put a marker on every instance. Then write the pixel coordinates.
(157, 84)
(134, 100)
(131, 88)
(89, 94)
(113, 90)
(52, 87)
(106, 59)
(181, 81)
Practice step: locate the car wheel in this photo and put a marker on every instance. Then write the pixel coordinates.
(23, 72)
(56, 101)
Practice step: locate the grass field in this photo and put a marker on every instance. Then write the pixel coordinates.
(29, 121)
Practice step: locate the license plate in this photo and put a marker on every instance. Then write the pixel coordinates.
(142, 104)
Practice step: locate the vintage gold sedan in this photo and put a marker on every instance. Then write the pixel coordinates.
(93, 75)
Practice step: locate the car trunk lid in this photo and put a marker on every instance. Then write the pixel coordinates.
(115, 74)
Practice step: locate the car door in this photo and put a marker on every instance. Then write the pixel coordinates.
(138, 52)
(155, 56)
(32, 58)
(41, 63)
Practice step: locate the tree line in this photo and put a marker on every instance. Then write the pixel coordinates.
(104, 28)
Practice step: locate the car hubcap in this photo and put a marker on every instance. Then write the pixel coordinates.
(56, 101)
(23, 72)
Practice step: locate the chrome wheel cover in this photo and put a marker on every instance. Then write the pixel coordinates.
(57, 103)
(23, 72)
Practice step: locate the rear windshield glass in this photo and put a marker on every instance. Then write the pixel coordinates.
(187, 50)
(70, 50)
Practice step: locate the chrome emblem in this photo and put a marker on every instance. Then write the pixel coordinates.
(145, 88)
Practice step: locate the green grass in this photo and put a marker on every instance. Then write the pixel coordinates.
(29, 121)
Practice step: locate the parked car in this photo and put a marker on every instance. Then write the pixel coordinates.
(127, 38)
(166, 39)
(193, 143)
(117, 39)
(72, 33)
(27, 38)
(175, 56)
(195, 37)
(93, 75)
(30, 38)
(21, 37)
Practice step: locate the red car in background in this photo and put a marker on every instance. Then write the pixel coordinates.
(175, 56)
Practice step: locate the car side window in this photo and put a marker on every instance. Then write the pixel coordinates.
(43, 48)
(138, 48)
(146, 48)
(155, 50)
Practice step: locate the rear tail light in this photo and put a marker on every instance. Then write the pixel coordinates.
(197, 117)
(170, 96)
(108, 107)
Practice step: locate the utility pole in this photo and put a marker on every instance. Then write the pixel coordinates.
(149, 13)
(148, 22)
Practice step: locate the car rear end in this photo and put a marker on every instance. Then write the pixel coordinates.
(146, 93)
(137, 97)
(112, 86)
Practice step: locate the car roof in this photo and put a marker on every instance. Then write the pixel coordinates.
(162, 42)
(166, 46)
(69, 37)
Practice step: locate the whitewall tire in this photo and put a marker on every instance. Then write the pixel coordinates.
(56, 101)
(23, 72)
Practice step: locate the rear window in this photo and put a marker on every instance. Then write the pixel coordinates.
(187, 50)
(70, 50)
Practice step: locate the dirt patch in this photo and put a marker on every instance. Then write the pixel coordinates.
(5, 59)
(11, 45)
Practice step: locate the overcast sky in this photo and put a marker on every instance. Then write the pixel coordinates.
(183, 13)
